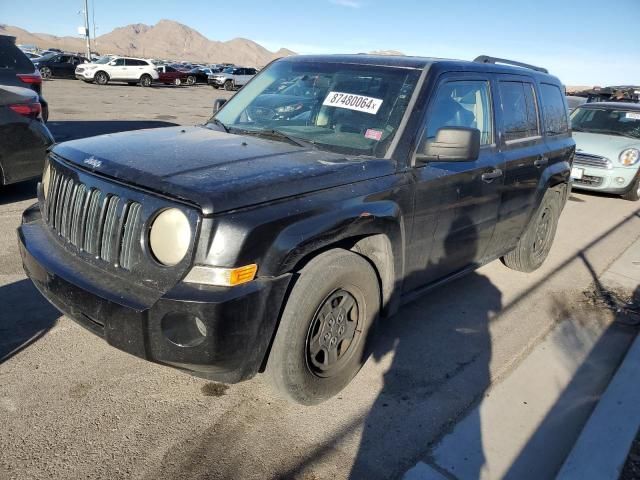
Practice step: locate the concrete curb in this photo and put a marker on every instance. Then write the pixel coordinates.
(603, 445)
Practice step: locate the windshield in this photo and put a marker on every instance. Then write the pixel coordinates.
(607, 121)
(102, 60)
(344, 108)
(47, 56)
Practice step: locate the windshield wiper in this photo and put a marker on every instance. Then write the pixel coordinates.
(217, 122)
(298, 141)
(277, 134)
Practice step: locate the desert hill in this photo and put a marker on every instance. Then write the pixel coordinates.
(166, 39)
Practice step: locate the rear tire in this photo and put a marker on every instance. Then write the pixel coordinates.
(534, 245)
(45, 73)
(177, 82)
(146, 80)
(228, 85)
(633, 194)
(320, 343)
(101, 78)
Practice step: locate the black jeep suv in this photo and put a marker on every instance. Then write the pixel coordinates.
(260, 243)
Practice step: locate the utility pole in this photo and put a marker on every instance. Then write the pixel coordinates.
(86, 28)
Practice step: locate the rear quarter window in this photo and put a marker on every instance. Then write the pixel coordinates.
(554, 109)
(12, 58)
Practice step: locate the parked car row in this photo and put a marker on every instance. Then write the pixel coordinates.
(24, 137)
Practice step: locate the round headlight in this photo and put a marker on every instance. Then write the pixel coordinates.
(170, 236)
(46, 176)
(629, 156)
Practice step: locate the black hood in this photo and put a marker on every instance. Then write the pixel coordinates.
(215, 170)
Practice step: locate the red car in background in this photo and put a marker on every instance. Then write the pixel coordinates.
(169, 75)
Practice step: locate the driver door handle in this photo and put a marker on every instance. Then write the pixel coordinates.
(541, 161)
(489, 177)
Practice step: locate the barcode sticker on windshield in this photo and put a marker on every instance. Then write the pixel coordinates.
(633, 115)
(360, 103)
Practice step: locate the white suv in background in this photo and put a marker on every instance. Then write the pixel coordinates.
(232, 77)
(118, 69)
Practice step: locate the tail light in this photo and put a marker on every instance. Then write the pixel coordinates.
(30, 110)
(30, 78)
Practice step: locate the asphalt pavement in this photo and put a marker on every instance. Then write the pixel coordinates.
(73, 407)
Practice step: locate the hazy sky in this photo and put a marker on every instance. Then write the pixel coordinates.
(584, 42)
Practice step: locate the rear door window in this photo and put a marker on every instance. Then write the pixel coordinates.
(519, 110)
(462, 103)
(554, 109)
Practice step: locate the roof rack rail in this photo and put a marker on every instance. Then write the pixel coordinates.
(504, 61)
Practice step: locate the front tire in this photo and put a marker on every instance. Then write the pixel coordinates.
(45, 73)
(534, 245)
(191, 80)
(228, 85)
(146, 80)
(101, 78)
(633, 194)
(320, 343)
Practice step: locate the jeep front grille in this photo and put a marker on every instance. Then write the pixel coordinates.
(98, 223)
(588, 160)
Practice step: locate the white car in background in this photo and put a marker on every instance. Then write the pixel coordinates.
(232, 77)
(118, 69)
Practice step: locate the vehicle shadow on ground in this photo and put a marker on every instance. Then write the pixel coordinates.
(25, 317)
(410, 393)
(75, 129)
(404, 404)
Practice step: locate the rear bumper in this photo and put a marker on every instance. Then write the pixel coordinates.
(219, 333)
(23, 148)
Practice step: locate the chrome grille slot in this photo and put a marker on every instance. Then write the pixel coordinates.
(131, 231)
(109, 229)
(101, 224)
(588, 160)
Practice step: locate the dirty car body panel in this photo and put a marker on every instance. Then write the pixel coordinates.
(271, 199)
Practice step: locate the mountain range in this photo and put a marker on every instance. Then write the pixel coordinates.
(165, 40)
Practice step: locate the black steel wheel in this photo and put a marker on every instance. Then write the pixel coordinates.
(334, 331)
(320, 343)
(536, 241)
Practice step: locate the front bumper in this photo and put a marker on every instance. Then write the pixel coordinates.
(229, 344)
(86, 75)
(614, 180)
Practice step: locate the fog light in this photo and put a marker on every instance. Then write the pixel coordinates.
(183, 329)
(619, 180)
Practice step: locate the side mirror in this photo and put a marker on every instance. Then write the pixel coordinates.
(217, 105)
(452, 144)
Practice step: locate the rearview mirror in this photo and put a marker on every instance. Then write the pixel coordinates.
(451, 144)
(217, 105)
